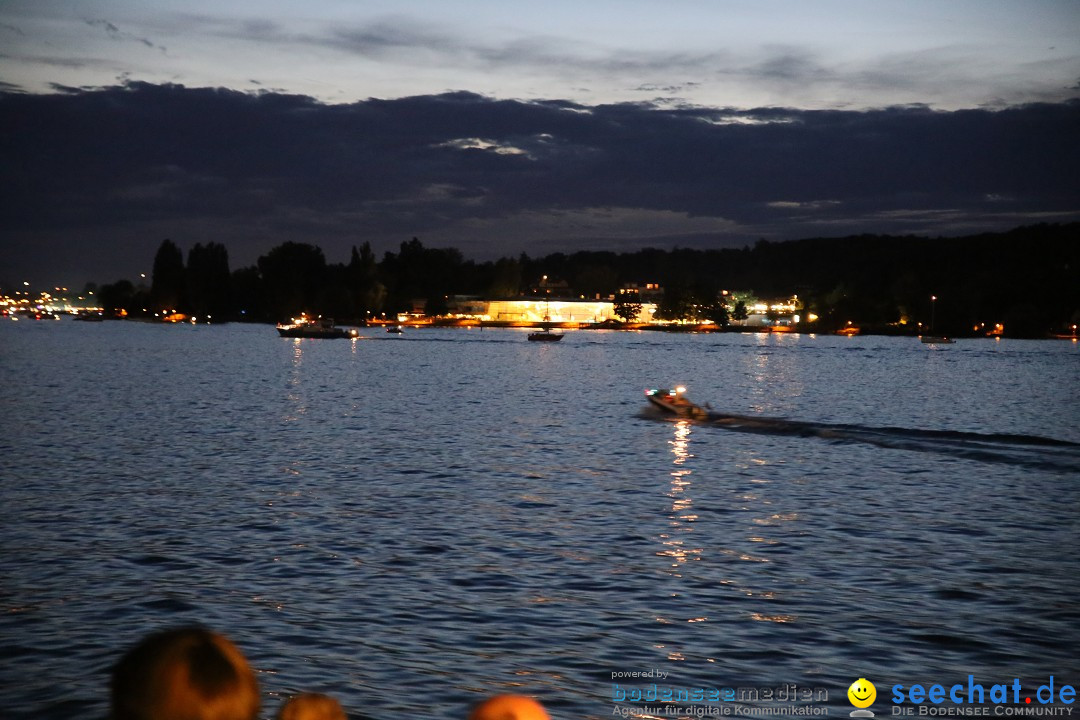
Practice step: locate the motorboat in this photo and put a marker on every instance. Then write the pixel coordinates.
(674, 401)
(305, 327)
(395, 330)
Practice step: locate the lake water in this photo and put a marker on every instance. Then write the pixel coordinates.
(414, 522)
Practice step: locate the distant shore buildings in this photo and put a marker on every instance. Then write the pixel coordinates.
(47, 302)
(546, 303)
(554, 308)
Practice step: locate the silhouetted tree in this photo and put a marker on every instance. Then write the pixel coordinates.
(596, 280)
(117, 298)
(293, 275)
(249, 293)
(740, 312)
(418, 273)
(436, 305)
(167, 280)
(717, 311)
(676, 304)
(506, 279)
(208, 281)
(627, 306)
(367, 292)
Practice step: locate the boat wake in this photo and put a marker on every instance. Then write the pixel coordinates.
(1026, 450)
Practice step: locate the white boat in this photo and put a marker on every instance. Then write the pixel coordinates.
(675, 402)
(305, 327)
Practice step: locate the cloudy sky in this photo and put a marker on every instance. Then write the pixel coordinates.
(498, 126)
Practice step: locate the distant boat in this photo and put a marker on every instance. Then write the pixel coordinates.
(932, 339)
(395, 330)
(90, 317)
(675, 402)
(546, 335)
(305, 327)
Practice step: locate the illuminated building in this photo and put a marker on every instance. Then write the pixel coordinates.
(534, 310)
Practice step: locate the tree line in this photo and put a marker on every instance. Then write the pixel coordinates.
(1027, 279)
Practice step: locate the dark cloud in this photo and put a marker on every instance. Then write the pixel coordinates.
(397, 36)
(393, 45)
(790, 65)
(118, 35)
(93, 180)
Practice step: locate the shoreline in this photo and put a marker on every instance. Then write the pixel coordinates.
(689, 328)
(674, 327)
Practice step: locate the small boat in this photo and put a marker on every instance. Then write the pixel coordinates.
(931, 338)
(305, 327)
(675, 402)
(395, 330)
(545, 336)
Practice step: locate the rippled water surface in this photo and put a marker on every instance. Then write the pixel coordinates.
(411, 523)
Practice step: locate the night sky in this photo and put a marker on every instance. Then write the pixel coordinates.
(498, 127)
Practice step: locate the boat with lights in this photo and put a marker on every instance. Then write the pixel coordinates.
(675, 402)
(930, 338)
(305, 327)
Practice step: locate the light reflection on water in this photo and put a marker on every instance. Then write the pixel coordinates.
(411, 523)
(675, 540)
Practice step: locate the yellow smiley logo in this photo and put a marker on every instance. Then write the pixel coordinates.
(862, 693)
